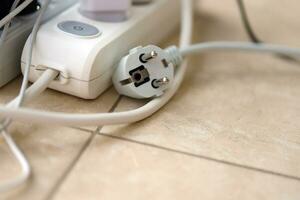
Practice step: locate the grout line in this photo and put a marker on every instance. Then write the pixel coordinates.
(264, 171)
(69, 169)
(84, 129)
(61, 180)
(113, 108)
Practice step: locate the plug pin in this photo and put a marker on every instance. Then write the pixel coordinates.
(148, 56)
(160, 82)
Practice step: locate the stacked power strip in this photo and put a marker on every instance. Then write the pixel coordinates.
(11, 51)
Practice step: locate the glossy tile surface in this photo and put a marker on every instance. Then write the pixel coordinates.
(242, 108)
(114, 169)
(239, 111)
(231, 132)
(52, 151)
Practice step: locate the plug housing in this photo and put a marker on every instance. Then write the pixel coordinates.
(146, 72)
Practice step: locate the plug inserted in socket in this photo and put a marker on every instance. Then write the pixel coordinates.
(106, 10)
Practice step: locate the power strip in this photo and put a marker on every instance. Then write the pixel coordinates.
(86, 51)
(11, 51)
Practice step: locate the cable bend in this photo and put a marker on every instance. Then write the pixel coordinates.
(20, 157)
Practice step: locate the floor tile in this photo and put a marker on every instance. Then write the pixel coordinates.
(114, 169)
(231, 132)
(274, 21)
(55, 101)
(236, 107)
(52, 151)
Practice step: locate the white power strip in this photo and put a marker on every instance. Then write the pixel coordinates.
(11, 51)
(86, 51)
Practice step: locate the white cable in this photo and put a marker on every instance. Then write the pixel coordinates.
(9, 141)
(26, 171)
(154, 105)
(145, 111)
(239, 46)
(113, 118)
(19, 99)
(31, 92)
(37, 88)
(14, 13)
(24, 95)
(29, 56)
(28, 115)
(7, 25)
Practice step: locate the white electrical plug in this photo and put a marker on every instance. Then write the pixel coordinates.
(146, 72)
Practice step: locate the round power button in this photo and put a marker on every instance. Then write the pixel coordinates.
(79, 29)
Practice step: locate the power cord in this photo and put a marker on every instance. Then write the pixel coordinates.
(39, 85)
(33, 91)
(24, 94)
(246, 22)
(123, 117)
(30, 115)
(7, 25)
(250, 31)
(42, 117)
(14, 13)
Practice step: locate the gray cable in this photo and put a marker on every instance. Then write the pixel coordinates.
(250, 32)
(239, 46)
(7, 25)
(33, 36)
(246, 22)
(37, 88)
(29, 59)
(31, 92)
(29, 55)
(26, 171)
(14, 13)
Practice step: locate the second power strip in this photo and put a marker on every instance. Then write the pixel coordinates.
(11, 51)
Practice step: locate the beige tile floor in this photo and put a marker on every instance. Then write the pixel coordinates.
(231, 132)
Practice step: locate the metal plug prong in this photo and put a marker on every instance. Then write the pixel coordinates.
(148, 56)
(161, 82)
